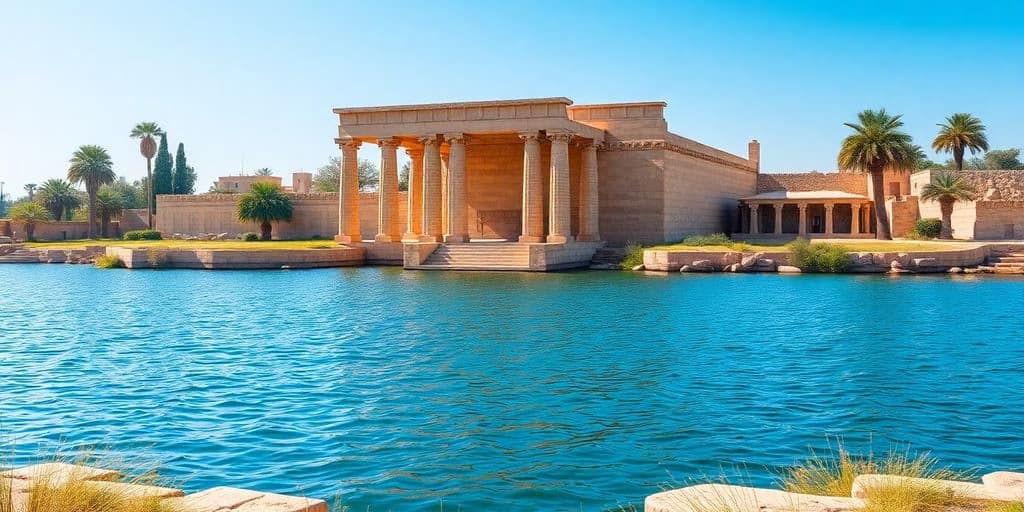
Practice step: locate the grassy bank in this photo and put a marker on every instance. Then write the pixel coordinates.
(849, 245)
(189, 244)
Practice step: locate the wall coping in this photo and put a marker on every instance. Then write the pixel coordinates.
(455, 104)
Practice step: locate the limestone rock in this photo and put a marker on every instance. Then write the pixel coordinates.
(1005, 480)
(896, 265)
(955, 270)
(706, 497)
(702, 266)
(638, 267)
(903, 258)
(861, 259)
(749, 261)
(222, 236)
(972, 271)
(992, 194)
(735, 267)
(789, 269)
(925, 262)
(686, 268)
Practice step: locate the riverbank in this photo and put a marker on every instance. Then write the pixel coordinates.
(897, 257)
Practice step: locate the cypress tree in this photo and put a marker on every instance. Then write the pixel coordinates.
(184, 177)
(163, 174)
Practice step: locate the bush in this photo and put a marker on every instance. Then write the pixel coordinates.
(712, 239)
(634, 256)
(250, 237)
(109, 261)
(143, 234)
(928, 228)
(821, 257)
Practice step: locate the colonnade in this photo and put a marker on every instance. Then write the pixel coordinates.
(437, 207)
(828, 224)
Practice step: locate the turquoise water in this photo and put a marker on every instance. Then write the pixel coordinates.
(568, 391)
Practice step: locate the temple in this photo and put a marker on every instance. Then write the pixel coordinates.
(557, 178)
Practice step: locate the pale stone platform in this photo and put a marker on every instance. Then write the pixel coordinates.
(19, 483)
(237, 259)
(1001, 486)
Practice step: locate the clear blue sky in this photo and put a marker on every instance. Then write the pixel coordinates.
(258, 79)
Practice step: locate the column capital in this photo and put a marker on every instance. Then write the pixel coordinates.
(828, 206)
(559, 136)
(348, 143)
(413, 152)
(753, 206)
(533, 136)
(428, 140)
(455, 138)
(802, 206)
(388, 142)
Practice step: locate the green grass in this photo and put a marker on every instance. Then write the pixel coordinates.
(189, 244)
(107, 261)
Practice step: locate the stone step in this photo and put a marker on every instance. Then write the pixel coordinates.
(1006, 259)
(1005, 264)
(482, 268)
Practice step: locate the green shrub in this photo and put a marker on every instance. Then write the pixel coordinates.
(634, 256)
(712, 239)
(250, 237)
(143, 234)
(109, 261)
(821, 257)
(928, 228)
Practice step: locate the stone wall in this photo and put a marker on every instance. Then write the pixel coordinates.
(808, 181)
(903, 214)
(314, 215)
(992, 185)
(63, 230)
(700, 195)
(999, 220)
(630, 193)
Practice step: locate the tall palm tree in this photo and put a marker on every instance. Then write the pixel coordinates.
(31, 189)
(145, 131)
(265, 203)
(264, 171)
(877, 145)
(91, 166)
(961, 132)
(59, 197)
(948, 188)
(109, 203)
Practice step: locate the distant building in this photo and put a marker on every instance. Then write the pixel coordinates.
(242, 184)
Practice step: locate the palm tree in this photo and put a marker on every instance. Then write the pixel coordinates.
(264, 203)
(948, 188)
(59, 197)
(109, 203)
(264, 171)
(145, 131)
(31, 189)
(92, 166)
(30, 213)
(961, 132)
(877, 145)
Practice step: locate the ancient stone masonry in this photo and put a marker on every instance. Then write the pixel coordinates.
(655, 144)
(810, 181)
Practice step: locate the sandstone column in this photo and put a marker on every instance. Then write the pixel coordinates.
(431, 190)
(445, 155)
(828, 219)
(414, 214)
(855, 226)
(387, 210)
(755, 227)
(348, 194)
(457, 228)
(803, 219)
(778, 218)
(588, 194)
(533, 190)
(560, 212)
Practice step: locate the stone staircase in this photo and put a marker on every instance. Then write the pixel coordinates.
(1005, 261)
(17, 253)
(608, 258)
(479, 256)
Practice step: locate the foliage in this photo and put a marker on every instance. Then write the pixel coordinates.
(961, 132)
(146, 129)
(328, 176)
(403, 177)
(1003, 159)
(819, 257)
(184, 177)
(634, 256)
(927, 228)
(133, 195)
(250, 237)
(877, 145)
(712, 239)
(29, 211)
(91, 165)
(109, 261)
(143, 234)
(833, 473)
(163, 172)
(109, 203)
(59, 197)
(913, 496)
(264, 171)
(265, 203)
(948, 187)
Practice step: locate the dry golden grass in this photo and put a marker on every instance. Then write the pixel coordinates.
(833, 474)
(914, 497)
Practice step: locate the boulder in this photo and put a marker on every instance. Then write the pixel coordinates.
(955, 270)
(702, 266)
(972, 271)
(861, 259)
(638, 267)
(222, 236)
(903, 258)
(896, 265)
(735, 267)
(750, 261)
(686, 268)
(789, 269)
